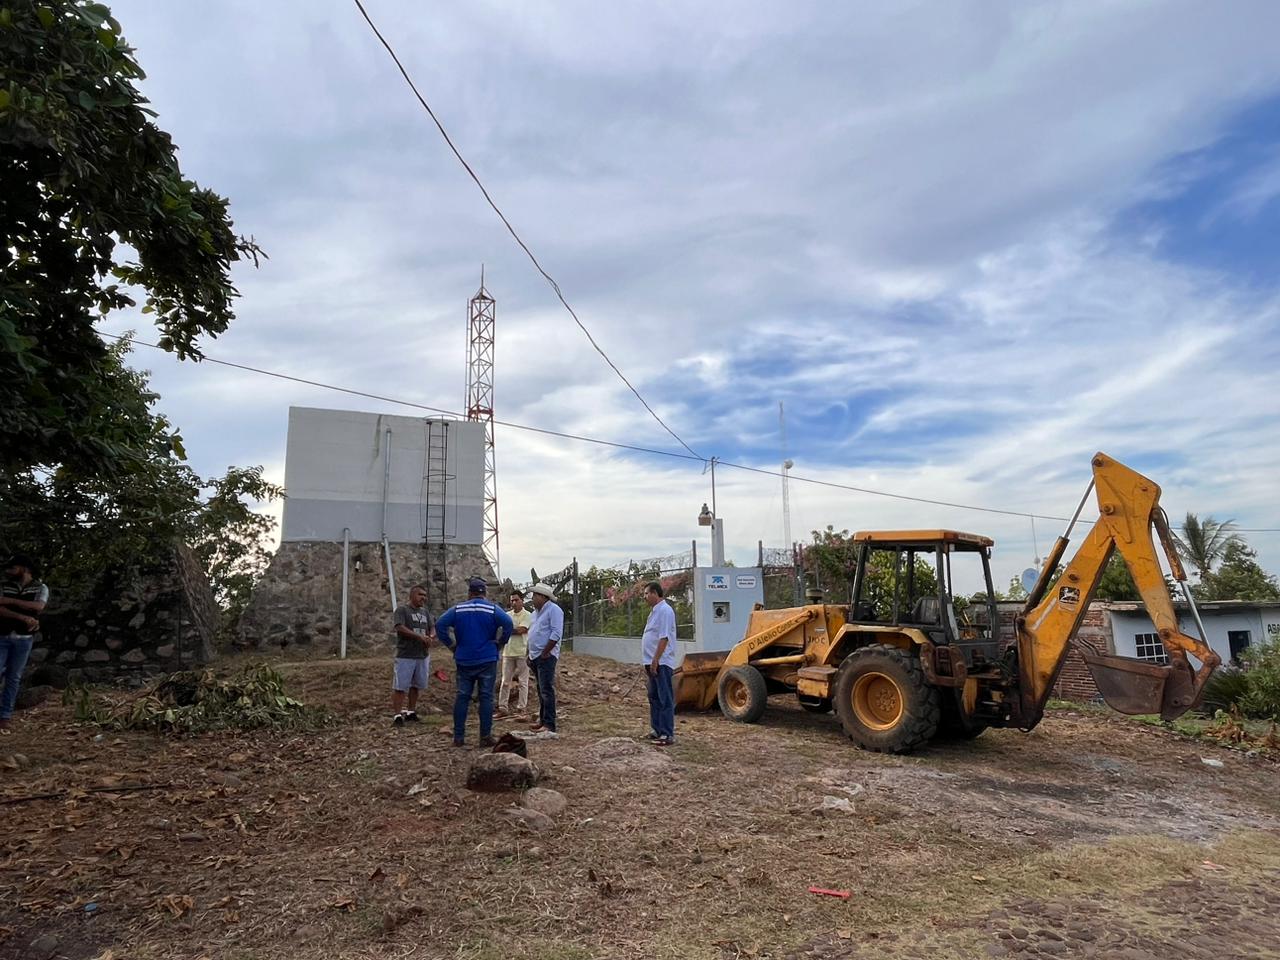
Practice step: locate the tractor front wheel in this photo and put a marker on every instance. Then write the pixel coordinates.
(743, 694)
(883, 700)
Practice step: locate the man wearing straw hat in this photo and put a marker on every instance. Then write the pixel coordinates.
(544, 652)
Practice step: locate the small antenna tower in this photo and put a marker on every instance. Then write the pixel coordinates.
(786, 481)
(481, 314)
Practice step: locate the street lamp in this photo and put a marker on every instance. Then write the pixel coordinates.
(708, 519)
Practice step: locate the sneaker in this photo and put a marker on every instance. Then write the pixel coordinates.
(459, 743)
(651, 736)
(398, 720)
(411, 716)
(500, 715)
(487, 741)
(662, 741)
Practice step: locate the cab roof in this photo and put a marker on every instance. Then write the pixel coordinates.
(924, 538)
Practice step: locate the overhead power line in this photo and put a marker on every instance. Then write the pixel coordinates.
(636, 448)
(512, 230)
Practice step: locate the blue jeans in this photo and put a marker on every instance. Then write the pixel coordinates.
(14, 651)
(662, 701)
(545, 671)
(479, 677)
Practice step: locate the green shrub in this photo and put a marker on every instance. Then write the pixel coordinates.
(1252, 689)
(1262, 668)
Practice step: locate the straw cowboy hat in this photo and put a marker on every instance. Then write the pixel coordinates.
(544, 589)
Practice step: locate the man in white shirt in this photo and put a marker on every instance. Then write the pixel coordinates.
(659, 651)
(515, 660)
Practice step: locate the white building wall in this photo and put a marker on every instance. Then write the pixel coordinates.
(335, 469)
(1126, 625)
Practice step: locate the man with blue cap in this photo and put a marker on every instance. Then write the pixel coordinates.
(475, 630)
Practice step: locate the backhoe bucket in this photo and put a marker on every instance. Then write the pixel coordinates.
(695, 680)
(1135, 687)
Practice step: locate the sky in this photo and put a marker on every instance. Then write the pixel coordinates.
(966, 244)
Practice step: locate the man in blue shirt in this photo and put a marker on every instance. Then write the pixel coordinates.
(474, 630)
(544, 652)
(659, 649)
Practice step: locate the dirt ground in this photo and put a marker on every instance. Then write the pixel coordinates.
(1092, 836)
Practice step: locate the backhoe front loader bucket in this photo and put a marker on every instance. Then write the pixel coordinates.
(1134, 687)
(695, 680)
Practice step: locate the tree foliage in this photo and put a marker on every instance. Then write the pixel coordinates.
(831, 561)
(1238, 577)
(84, 524)
(1202, 543)
(95, 213)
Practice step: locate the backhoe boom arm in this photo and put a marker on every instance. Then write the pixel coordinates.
(1129, 509)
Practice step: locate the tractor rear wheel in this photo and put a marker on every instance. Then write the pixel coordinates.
(883, 700)
(743, 694)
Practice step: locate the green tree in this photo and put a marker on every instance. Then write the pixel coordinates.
(85, 525)
(1116, 582)
(1202, 543)
(1238, 577)
(832, 559)
(94, 213)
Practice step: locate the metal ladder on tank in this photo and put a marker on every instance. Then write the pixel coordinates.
(436, 535)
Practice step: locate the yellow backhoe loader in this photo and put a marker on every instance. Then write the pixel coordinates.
(901, 665)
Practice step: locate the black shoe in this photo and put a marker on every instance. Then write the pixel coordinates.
(411, 716)
(459, 743)
(398, 720)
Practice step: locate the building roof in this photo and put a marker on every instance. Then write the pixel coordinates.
(963, 541)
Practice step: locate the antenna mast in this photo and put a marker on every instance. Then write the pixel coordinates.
(481, 314)
(786, 482)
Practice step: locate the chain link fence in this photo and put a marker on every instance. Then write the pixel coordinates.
(609, 601)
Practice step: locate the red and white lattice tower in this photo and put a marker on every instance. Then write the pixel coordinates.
(481, 313)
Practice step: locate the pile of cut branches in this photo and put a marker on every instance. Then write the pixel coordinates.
(197, 701)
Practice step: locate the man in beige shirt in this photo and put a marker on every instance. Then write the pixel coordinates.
(515, 659)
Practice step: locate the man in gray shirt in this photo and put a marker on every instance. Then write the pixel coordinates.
(414, 630)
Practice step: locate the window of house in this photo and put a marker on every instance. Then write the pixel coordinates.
(1149, 647)
(1237, 640)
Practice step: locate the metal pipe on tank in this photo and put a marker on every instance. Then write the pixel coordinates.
(346, 570)
(386, 478)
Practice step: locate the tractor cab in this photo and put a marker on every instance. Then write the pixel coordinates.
(908, 578)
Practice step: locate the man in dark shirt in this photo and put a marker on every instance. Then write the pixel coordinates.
(414, 630)
(22, 598)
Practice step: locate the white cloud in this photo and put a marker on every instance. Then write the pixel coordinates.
(894, 217)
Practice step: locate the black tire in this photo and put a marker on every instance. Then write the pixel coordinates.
(950, 726)
(884, 702)
(742, 694)
(822, 705)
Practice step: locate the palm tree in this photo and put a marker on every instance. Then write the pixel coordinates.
(1203, 542)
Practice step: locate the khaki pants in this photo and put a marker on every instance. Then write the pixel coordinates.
(514, 669)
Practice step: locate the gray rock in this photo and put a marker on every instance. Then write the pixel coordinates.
(97, 656)
(134, 656)
(530, 819)
(138, 620)
(550, 802)
(501, 771)
(114, 643)
(226, 779)
(43, 947)
(82, 641)
(66, 656)
(38, 655)
(165, 652)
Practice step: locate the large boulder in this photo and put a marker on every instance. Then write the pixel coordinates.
(501, 771)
